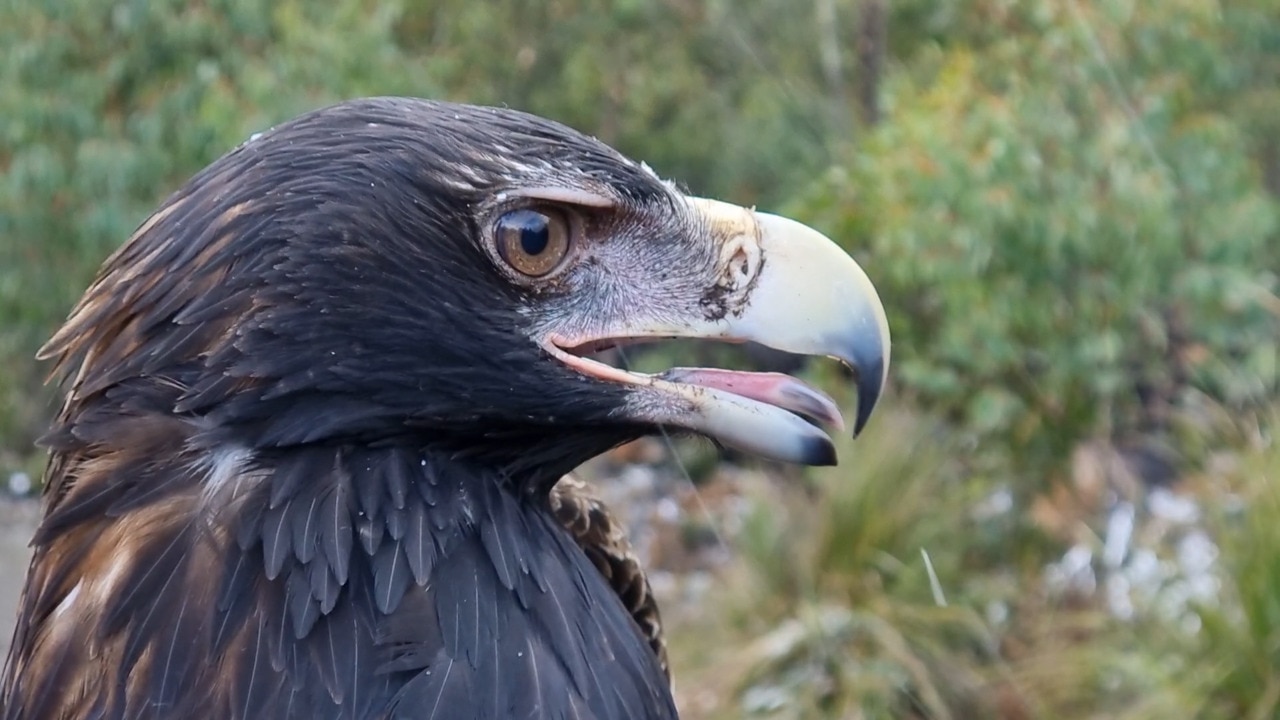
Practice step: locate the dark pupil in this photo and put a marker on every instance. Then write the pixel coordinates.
(534, 233)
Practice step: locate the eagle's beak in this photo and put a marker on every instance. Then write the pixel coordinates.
(810, 298)
(785, 286)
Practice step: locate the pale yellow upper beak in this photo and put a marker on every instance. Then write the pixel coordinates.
(788, 287)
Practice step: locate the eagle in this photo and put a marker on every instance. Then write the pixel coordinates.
(319, 409)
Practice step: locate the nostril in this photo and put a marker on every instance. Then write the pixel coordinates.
(742, 263)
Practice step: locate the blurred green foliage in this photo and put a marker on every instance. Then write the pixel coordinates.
(1073, 237)
(884, 600)
(1240, 641)
(845, 601)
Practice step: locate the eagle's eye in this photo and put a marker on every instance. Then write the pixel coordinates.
(532, 242)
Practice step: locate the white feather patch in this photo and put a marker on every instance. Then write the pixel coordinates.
(225, 468)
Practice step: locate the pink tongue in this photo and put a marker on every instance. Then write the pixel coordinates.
(775, 389)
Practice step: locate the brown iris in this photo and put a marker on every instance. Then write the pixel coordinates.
(532, 242)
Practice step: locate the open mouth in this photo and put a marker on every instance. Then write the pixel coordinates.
(769, 388)
(796, 292)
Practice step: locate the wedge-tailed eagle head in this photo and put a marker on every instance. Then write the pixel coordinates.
(381, 300)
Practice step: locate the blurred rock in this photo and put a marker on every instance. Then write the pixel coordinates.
(20, 484)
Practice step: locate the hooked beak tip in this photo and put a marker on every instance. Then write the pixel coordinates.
(870, 385)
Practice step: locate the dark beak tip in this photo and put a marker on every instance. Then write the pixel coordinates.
(819, 452)
(863, 417)
(870, 385)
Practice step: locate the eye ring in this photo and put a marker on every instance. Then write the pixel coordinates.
(532, 241)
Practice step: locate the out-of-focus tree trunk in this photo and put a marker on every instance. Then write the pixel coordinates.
(1271, 166)
(872, 45)
(832, 58)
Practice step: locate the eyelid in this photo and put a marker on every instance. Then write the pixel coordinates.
(568, 196)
